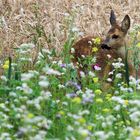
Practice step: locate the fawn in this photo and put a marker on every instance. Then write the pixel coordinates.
(113, 45)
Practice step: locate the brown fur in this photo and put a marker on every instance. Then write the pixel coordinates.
(112, 45)
(83, 47)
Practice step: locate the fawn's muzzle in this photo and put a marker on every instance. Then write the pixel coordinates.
(105, 46)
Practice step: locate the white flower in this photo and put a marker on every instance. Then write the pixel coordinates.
(36, 137)
(116, 92)
(4, 135)
(132, 80)
(30, 102)
(94, 59)
(4, 78)
(43, 83)
(83, 132)
(79, 92)
(65, 103)
(2, 105)
(109, 79)
(138, 87)
(118, 99)
(120, 59)
(84, 112)
(18, 116)
(26, 46)
(75, 29)
(66, 14)
(37, 106)
(111, 73)
(96, 67)
(46, 51)
(117, 107)
(104, 125)
(83, 56)
(40, 56)
(72, 50)
(25, 59)
(123, 89)
(118, 75)
(92, 74)
(130, 90)
(13, 94)
(26, 88)
(101, 135)
(80, 33)
(138, 138)
(89, 91)
(39, 136)
(90, 42)
(135, 102)
(9, 126)
(46, 94)
(135, 116)
(138, 81)
(26, 76)
(70, 128)
(109, 56)
(61, 86)
(129, 129)
(23, 52)
(110, 119)
(117, 65)
(71, 65)
(82, 74)
(51, 71)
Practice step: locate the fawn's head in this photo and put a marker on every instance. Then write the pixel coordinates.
(116, 35)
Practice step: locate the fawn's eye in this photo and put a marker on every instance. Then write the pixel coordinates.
(115, 36)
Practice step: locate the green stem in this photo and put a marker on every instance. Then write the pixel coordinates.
(126, 66)
(9, 70)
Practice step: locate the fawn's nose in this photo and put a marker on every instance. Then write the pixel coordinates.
(105, 46)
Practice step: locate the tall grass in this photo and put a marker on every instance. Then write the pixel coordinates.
(40, 97)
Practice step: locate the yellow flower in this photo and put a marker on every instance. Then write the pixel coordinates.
(5, 67)
(121, 122)
(136, 132)
(94, 49)
(98, 91)
(97, 40)
(89, 127)
(128, 122)
(126, 102)
(108, 96)
(2, 104)
(138, 35)
(62, 113)
(6, 64)
(99, 100)
(95, 79)
(30, 115)
(77, 100)
(106, 110)
(138, 45)
(81, 120)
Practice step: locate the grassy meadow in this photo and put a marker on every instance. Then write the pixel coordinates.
(40, 96)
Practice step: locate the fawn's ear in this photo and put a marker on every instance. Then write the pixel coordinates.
(112, 18)
(125, 24)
